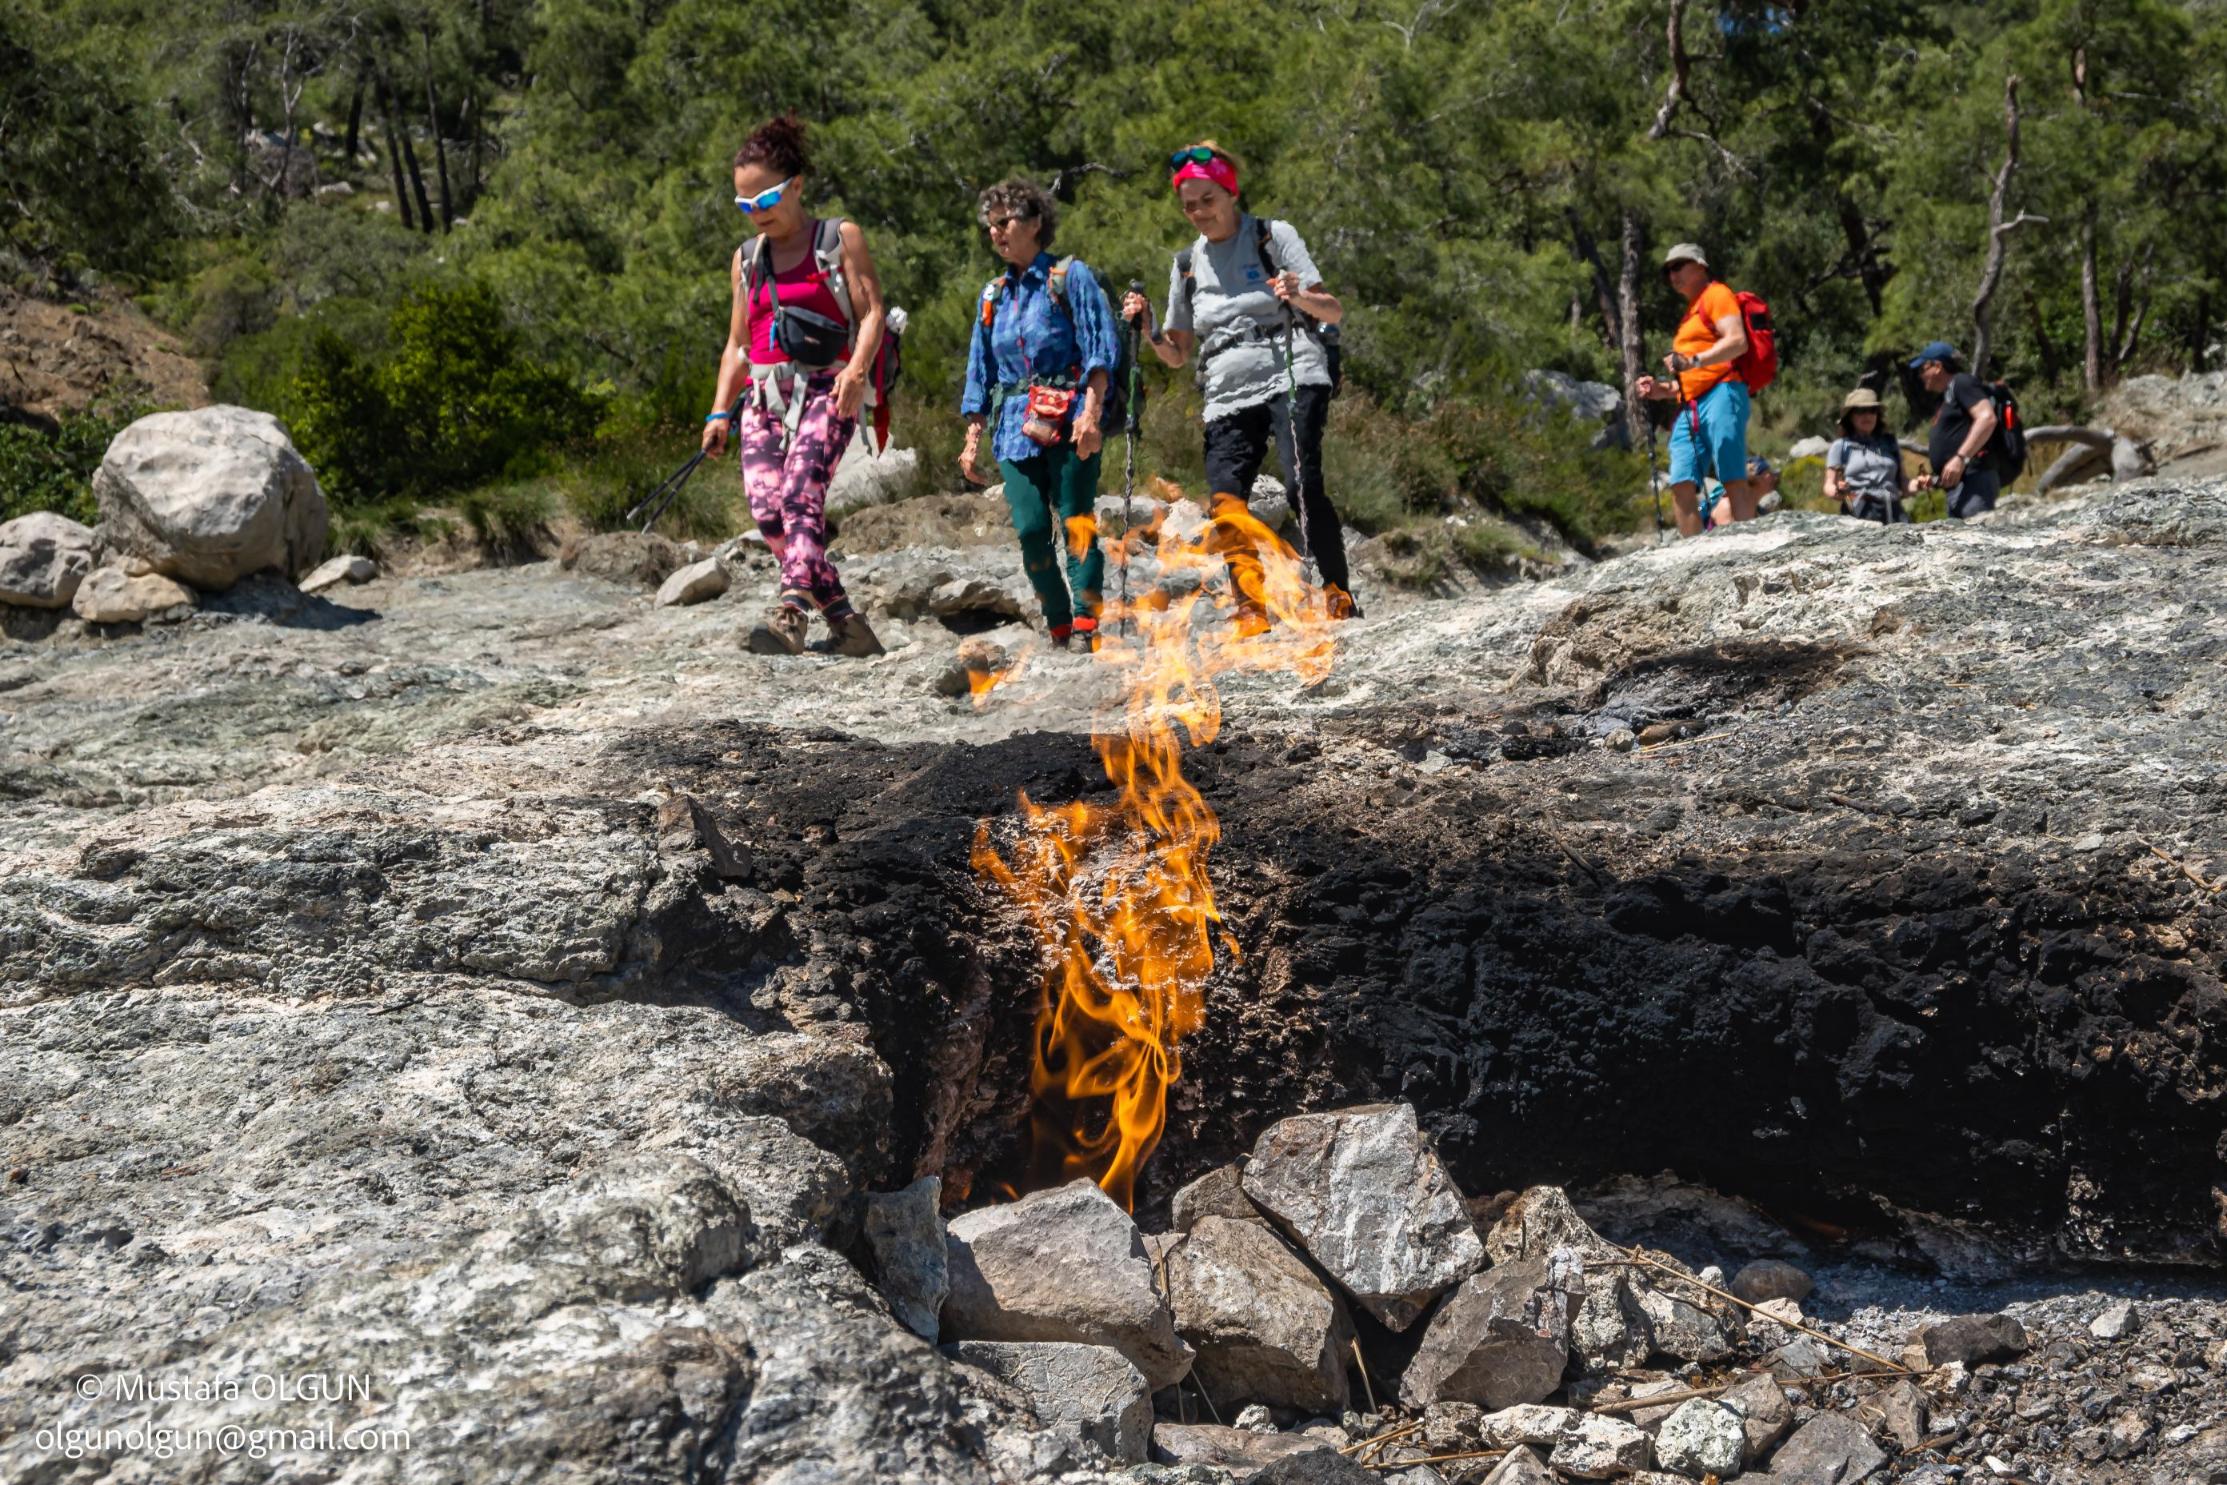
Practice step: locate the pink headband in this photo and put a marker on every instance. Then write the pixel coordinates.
(1218, 170)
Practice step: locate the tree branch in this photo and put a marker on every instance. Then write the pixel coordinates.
(1998, 230)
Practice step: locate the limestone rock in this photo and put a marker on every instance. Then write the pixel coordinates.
(1702, 1438)
(43, 557)
(641, 559)
(348, 567)
(1490, 1343)
(1364, 1194)
(1897, 1409)
(1768, 1279)
(1539, 1221)
(904, 1233)
(1971, 1339)
(1765, 1414)
(1218, 1193)
(1681, 1329)
(694, 583)
(107, 596)
(209, 496)
(1264, 1327)
(1091, 1388)
(2116, 1323)
(1317, 1467)
(1237, 1450)
(1602, 1448)
(1061, 1265)
(1830, 1449)
(1521, 1467)
(977, 662)
(1526, 1423)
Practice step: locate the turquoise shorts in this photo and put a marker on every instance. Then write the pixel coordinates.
(1722, 447)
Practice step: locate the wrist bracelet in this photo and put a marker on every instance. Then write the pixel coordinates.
(713, 417)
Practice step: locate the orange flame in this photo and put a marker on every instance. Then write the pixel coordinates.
(1118, 895)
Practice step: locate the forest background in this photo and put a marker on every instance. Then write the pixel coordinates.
(474, 254)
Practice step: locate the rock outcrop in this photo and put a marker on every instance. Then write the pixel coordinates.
(43, 557)
(209, 496)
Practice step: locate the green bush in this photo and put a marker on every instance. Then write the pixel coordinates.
(453, 402)
(42, 471)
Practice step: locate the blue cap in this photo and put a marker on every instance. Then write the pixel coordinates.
(1758, 466)
(1939, 350)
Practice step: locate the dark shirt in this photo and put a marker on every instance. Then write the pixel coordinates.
(1952, 421)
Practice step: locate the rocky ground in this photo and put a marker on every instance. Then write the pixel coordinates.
(503, 988)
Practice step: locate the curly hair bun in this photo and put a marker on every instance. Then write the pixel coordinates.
(777, 143)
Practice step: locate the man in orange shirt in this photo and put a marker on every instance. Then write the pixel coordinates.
(1710, 435)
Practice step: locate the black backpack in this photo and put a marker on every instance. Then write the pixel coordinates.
(1263, 228)
(2006, 448)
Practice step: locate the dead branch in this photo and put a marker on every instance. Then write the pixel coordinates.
(1675, 94)
(2128, 459)
(1998, 229)
(1638, 1256)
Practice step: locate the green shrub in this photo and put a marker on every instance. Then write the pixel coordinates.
(42, 471)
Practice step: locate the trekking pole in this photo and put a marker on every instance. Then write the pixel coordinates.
(1307, 569)
(1129, 418)
(660, 499)
(1654, 481)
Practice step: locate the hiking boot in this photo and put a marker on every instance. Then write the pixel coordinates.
(1061, 634)
(854, 637)
(1339, 602)
(1086, 631)
(782, 633)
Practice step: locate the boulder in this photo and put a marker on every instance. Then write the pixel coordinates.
(1238, 1450)
(1827, 1450)
(1765, 1414)
(1897, 1410)
(1526, 1423)
(1702, 1438)
(1318, 1467)
(1521, 1467)
(1218, 1193)
(1092, 1389)
(345, 568)
(694, 583)
(1539, 1221)
(209, 496)
(863, 478)
(641, 559)
(1679, 1328)
(1363, 1193)
(904, 1233)
(2116, 1323)
(43, 557)
(1493, 1342)
(1971, 1339)
(1596, 404)
(1768, 1279)
(1061, 1265)
(107, 596)
(1264, 1327)
(1602, 1448)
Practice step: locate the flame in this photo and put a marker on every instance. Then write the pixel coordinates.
(1117, 895)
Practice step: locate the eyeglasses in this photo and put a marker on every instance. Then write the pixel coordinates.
(1197, 154)
(765, 200)
(999, 224)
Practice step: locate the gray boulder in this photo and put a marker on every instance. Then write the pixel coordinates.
(1494, 1342)
(348, 567)
(109, 596)
(1264, 1327)
(1765, 1414)
(1827, 1450)
(1318, 1467)
(1218, 1193)
(1971, 1339)
(640, 559)
(1702, 1438)
(1238, 1450)
(694, 583)
(1061, 1265)
(1596, 404)
(1602, 1448)
(1769, 1279)
(209, 496)
(904, 1233)
(43, 557)
(1363, 1193)
(1521, 1467)
(1091, 1389)
(1526, 1423)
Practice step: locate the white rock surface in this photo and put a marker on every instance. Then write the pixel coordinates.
(1601, 1448)
(1702, 1438)
(209, 496)
(694, 583)
(108, 596)
(43, 557)
(348, 567)
(1092, 1389)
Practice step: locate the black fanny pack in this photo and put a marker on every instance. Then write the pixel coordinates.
(811, 340)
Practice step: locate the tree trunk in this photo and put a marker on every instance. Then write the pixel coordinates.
(1998, 231)
(1604, 295)
(1870, 272)
(471, 184)
(409, 154)
(440, 146)
(355, 123)
(2201, 334)
(2091, 308)
(394, 151)
(2048, 348)
(1628, 343)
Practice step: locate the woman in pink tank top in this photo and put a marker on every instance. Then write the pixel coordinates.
(799, 415)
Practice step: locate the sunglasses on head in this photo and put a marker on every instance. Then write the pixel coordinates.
(1197, 154)
(765, 200)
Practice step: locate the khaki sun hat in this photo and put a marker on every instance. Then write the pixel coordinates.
(1863, 399)
(1685, 252)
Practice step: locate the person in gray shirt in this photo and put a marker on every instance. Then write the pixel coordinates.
(1232, 295)
(1863, 468)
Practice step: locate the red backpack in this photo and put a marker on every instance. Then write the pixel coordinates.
(1758, 365)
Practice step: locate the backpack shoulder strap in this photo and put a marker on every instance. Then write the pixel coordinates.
(753, 258)
(1184, 274)
(1264, 243)
(827, 253)
(1056, 281)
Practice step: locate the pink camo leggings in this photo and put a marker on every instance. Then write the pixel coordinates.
(786, 482)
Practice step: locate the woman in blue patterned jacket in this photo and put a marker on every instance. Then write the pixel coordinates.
(1037, 367)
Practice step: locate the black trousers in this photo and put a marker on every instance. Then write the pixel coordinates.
(1236, 446)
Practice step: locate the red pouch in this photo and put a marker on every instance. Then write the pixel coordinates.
(1047, 413)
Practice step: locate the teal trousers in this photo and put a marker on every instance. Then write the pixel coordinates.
(1048, 493)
